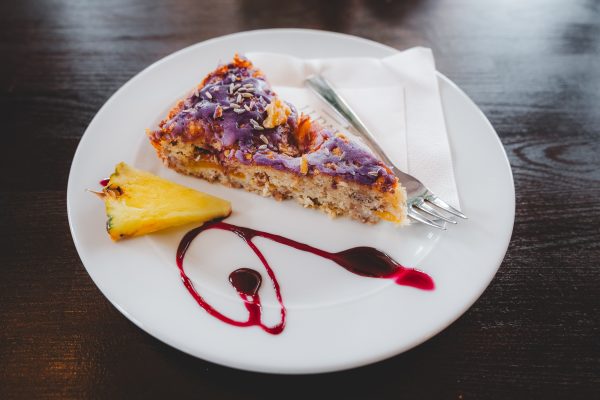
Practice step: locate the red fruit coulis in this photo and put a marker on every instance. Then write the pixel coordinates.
(364, 261)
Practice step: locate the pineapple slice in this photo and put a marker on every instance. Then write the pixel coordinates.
(138, 202)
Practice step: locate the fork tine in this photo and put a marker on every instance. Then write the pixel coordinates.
(446, 207)
(418, 217)
(432, 211)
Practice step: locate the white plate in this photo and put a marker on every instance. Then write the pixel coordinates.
(336, 320)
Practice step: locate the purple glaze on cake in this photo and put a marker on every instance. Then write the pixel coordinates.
(230, 110)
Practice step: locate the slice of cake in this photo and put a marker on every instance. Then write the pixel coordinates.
(233, 129)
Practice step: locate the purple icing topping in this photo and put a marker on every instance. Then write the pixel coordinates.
(229, 105)
(231, 109)
(351, 161)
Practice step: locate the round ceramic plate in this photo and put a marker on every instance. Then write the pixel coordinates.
(336, 320)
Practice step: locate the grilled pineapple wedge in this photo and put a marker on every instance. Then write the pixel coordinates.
(138, 202)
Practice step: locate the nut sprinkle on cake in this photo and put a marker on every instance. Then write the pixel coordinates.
(233, 129)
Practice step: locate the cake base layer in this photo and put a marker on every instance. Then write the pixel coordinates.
(334, 196)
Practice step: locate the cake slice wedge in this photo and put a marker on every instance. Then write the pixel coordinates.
(234, 129)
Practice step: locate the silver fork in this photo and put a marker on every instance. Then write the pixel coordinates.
(422, 203)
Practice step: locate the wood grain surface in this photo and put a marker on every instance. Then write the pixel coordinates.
(532, 66)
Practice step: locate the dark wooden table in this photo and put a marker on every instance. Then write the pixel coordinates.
(532, 66)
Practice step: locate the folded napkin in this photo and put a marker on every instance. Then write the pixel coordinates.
(397, 97)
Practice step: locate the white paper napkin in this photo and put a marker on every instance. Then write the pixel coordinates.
(397, 97)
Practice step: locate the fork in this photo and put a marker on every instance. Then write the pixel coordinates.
(423, 205)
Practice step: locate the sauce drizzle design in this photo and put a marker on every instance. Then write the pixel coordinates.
(363, 261)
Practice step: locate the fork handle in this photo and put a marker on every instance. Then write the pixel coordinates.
(325, 90)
